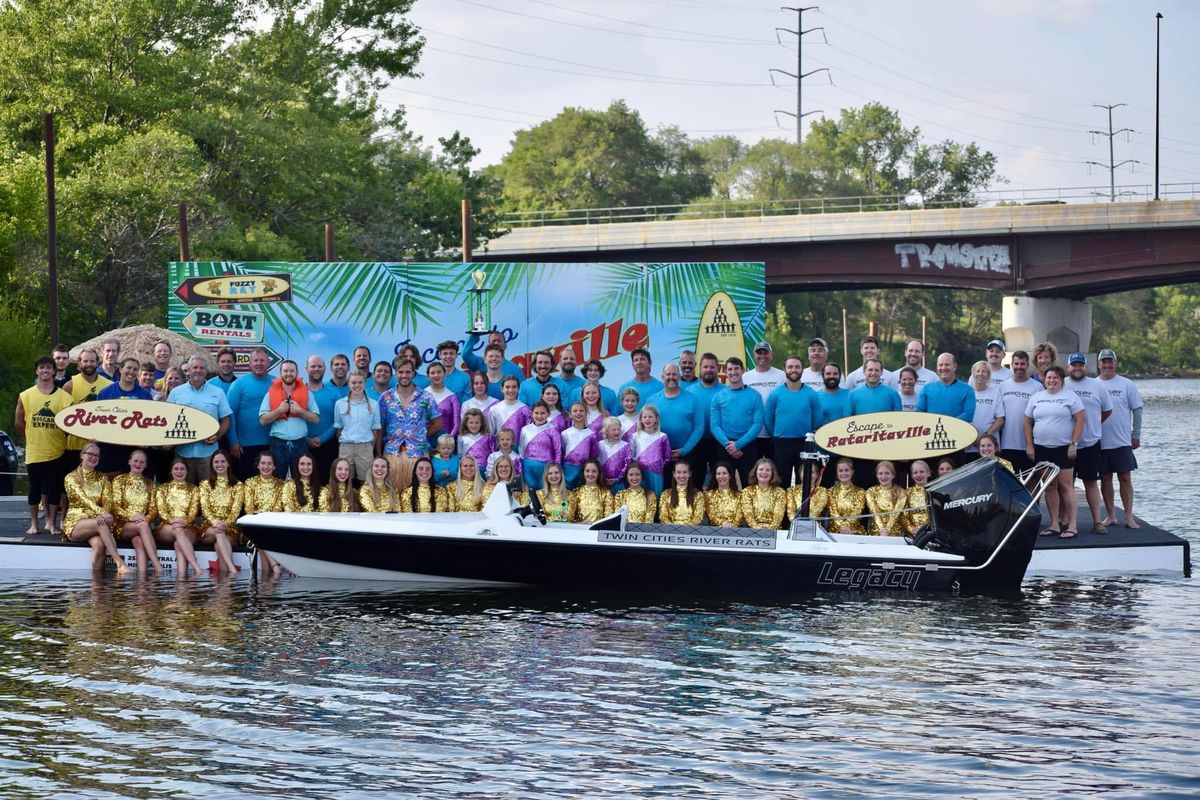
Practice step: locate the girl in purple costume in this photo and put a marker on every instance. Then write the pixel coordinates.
(479, 399)
(510, 413)
(614, 454)
(629, 416)
(651, 449)
(504, 449)
(474, 439)
(552, 397)
(579, 444)
(448, 403)
(541, 444)
(594, 406)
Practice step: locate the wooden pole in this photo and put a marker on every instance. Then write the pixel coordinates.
(51, 228)
(330, 252)
(466, 230)
(185, 245)
(924, 340)
(845, 343)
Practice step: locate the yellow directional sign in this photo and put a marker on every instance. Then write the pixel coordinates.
(275, 287)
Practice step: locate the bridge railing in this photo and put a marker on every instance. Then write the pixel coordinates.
(730, 209)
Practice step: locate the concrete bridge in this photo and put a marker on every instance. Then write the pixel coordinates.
(1046, 259)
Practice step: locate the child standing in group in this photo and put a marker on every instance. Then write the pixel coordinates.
(629, 416)
(552, 397)
(504, 449)
(593, 404)
(474, 439)
(579, 444)
(541, 444)
(510, 413)
(651, 448)
(613, 453)
(445, 463)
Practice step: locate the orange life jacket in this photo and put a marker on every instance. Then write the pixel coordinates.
(278, 394)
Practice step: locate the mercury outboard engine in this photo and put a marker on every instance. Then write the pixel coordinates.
(971, 511)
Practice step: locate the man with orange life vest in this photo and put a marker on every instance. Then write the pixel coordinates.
(287, 408)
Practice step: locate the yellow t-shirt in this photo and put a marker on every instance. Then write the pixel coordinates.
(44, 441)
(83, 392)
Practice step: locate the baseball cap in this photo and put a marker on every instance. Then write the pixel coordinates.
(762, 346)
(1107, 353)
(995, 343)
(819, 341)
(1077, 358)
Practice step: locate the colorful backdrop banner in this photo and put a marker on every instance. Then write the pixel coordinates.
(599, 310)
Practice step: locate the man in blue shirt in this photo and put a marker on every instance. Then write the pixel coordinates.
(948, 395)
(792, 412)
(456, 380)
(707, 453)
(321, 440)
(835, 401)
(247, 438)
(475, 363)
(645, 383)
(531, 388)
(680, 413)
(567, 362)
(873, 396)
(735, 418)
(201, 395)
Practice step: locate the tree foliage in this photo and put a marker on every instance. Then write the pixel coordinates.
(260, 114)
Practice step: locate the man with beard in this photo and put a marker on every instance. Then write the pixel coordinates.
(362, 362)
(680, 414)
(83, 388)
(408, 417)
(818, 356)
(201, 395)
(914, 358)
(1097, 407)
(1014, 397)
(707, 453)
(1120, 435)
(226, 363)
(322, 443)
(531, 388)
(248, 438)
(687, 368)
(792, 412)
(994, 355)
(567, 363)
(288, 408)
(835, 404)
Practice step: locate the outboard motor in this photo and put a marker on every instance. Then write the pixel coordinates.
(972, 510)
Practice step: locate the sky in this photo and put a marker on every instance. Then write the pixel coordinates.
(1018, 77)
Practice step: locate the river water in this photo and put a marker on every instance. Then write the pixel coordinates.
(202, 689)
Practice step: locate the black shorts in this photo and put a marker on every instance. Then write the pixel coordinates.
(45, 480)
(1018, 459)
(1055, 455)
(1117, 459)
(1087, 463)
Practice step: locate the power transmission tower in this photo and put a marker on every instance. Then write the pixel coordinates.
(799, 75)
(1112, 165)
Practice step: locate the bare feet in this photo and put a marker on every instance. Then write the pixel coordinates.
(31, 530)
(1108, 521)
(1132, 523)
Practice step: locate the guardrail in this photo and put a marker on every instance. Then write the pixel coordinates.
(730, 209)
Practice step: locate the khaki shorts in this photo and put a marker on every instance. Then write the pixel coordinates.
(360, 457)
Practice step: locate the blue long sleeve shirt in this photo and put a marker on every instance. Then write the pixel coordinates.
(736, 415)
(245, 397)
(644, 390)
(475, 363)
(326, 397)
(866, 399)
(705, 395)
(531, 389)
(834, 405)
(792, 413)
(956, 400)
(682, 419)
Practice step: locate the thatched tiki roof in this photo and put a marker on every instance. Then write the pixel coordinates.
(138, 341)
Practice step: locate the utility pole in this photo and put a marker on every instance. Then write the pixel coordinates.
(1112, 165)
(800, 74)
(1157, 41)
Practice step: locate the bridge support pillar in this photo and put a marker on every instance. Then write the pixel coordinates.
(1066, 324)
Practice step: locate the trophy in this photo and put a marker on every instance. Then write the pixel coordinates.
(479, 306)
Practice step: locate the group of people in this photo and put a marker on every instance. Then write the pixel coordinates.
(402, 434)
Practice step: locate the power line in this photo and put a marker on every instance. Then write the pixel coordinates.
(1112, 165)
